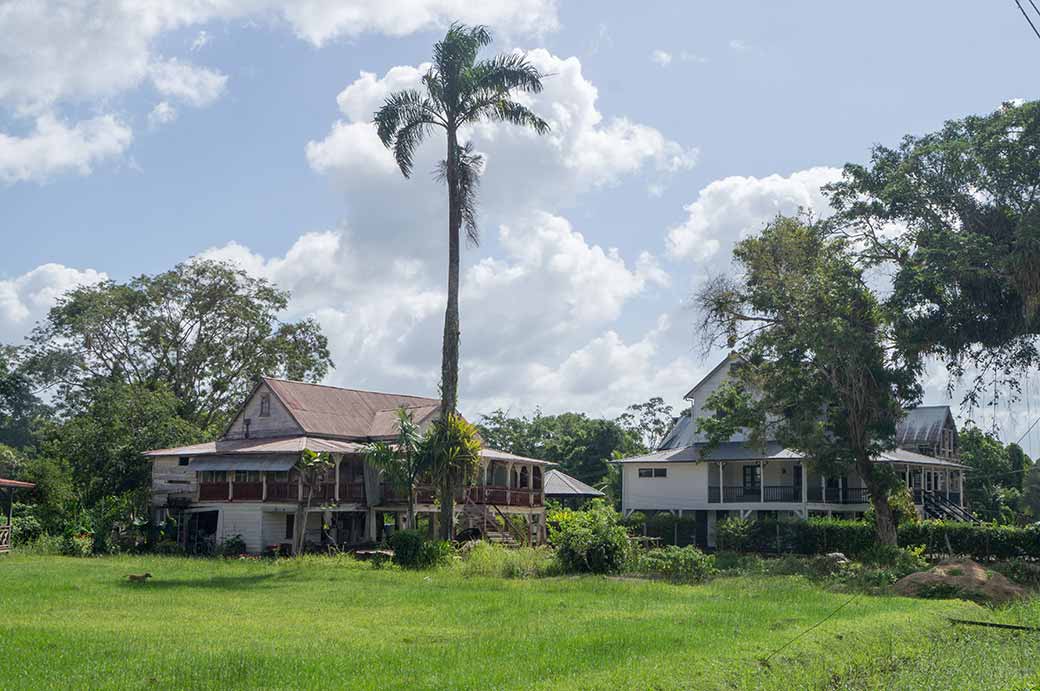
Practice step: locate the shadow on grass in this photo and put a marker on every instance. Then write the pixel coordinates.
(231, 583)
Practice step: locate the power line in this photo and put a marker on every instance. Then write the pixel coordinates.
(1026, 15)
(814, 626)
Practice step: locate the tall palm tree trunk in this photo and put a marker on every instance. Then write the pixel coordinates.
(450, 346)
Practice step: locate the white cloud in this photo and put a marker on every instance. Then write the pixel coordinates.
(731, 208)
(53, 148)
(69, 53)
(26, 298)
(196, 86)
(687, 56)
(739, 45)
(202, 39)
(163, 113)
(661, 57)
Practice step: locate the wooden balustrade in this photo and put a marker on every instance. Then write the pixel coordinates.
(5, 538)
(213, 491)
(283, 491)
(247, 491)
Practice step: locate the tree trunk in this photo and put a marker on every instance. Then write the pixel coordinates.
(450, 345)
(884, 519)
(411, 507)
(300, 523)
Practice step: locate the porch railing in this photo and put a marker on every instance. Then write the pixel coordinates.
(739, 494)
(839, 495)
(5, 538)
(283, 491)
(247, 491)
(213, 491)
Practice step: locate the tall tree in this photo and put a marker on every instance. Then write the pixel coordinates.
(817, 372)
(458, 90)
(651, 421)
(402, 460)
(202, 331)
(957, 214)
(19, 404)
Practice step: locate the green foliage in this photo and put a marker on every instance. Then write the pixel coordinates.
(734, 534)
(402, 462)
(75, 544)
(589, 541)
(671, 529)
(583, 446)
(966, 286)
(19, 404)
(26, 527)
(233, 546)
(815, 369)
(650, 421)
(901, 561)
(491, 560)
(677, 564)
(993, 474)
(413, 551)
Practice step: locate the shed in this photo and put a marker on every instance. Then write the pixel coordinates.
(566, 489)
(7, 488)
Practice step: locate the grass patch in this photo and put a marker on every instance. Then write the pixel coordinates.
(337, 623)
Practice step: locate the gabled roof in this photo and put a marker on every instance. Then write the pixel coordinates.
(262, 445)
(345, 413)
(558, 484)
(923, 425)
(731, 357)
(739, 451)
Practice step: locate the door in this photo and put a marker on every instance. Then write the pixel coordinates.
(797, 479)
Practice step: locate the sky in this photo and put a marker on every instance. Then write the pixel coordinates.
(136, 135)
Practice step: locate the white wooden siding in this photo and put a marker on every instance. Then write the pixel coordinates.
(685, 487)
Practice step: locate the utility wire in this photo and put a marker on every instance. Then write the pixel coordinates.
(814, 626)
(1026, 15)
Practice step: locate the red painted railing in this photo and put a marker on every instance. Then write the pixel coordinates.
(213, 491)
(247, 491)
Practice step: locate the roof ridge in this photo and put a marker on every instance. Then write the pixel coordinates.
(346, 388)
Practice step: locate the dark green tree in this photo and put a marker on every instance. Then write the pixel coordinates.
(19, 404)
(458, 90)
(955, 213)
(817, 372)
(202, 332)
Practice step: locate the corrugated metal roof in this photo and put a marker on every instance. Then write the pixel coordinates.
(261, 446)
(727, 451)
(243, 463)
(336, 412)
(495, 455)
(4, 482)
(384, 423)
(558, 484)
(922, 425)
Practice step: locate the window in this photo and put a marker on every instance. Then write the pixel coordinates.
(247, 476)
(213, 476)
(653, 472)
(183, 461)
(248, 422)
(752, 477)
(290, 524)
(265, 405)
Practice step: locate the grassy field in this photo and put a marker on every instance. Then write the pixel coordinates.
(324, 623)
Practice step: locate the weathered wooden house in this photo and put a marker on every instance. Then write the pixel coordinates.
(740, 479)
(246, 484)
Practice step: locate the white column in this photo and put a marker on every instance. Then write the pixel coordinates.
(263, 486)
(805, 488)
(841, 490)
(761, 482)
(823, 488)
(230, 486)
(722, 483)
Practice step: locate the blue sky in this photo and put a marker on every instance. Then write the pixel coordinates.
(134, 138)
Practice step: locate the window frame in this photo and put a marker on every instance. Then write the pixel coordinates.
(756, 477)
(265, 405)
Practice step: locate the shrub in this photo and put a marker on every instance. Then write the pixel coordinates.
(901, 561)
(1020, 571)
(168, 547)
(233, 546)
(589, 541)
(413, 551)
(733, 534)
(26, 527)
(77, 544)
(677, 564)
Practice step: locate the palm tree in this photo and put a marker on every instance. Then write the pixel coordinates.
(457, 90)
(402, 461)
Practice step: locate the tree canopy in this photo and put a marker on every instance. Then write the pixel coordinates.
(203, 332)
(816, 371)
(956, 213)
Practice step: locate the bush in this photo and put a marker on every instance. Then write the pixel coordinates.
(487, 559)
(677, 564)
(901, 561)
(233, 546)
(589, 541)
(733, 534)
(1020, 571)
(77, 544)
(413, 551)
(168, 547)
(26, 527)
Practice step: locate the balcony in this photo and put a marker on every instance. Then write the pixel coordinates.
(213, 491)
(789, 494)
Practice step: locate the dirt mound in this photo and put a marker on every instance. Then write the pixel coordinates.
(960, 578)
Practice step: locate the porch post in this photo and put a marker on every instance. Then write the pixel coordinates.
(530, 485)
(960, 486)
(509, 483)
(722, 482)
(841, 490)
(338, 461)
(761, 482)
(263, 486)
(823, 488)
(230, 486)
(946, 481)
(805, 488)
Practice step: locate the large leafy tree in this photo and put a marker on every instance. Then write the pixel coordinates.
(458, 90)
(583, 446)
(19, 404)
(956, 213)
(993, 486)
(650, 420)
(816, 370)
(202, 331)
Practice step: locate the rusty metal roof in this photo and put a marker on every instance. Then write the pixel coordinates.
(384, 424)
(261, 446)
(346, 413)
(4, 482)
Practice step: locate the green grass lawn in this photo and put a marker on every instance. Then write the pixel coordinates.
(323, 623)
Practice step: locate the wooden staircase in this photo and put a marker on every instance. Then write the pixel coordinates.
(483, 517)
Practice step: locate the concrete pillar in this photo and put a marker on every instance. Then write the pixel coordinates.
(370, 525)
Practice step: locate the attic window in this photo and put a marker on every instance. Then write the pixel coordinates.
(183, 461)
(265, 405)
(247, 423)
